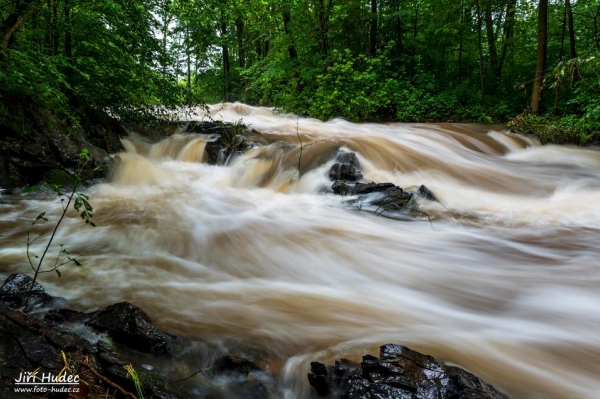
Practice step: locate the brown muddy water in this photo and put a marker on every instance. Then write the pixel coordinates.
(505, 280)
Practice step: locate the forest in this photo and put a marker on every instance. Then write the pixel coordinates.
(533, 64)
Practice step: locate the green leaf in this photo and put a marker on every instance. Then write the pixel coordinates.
(41, 216)
(30, 189)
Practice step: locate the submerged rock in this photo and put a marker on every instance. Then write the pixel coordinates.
(399, 373)
(229, 138)
(346, 167)
(129, 325)
(426, 193)
(343, 188)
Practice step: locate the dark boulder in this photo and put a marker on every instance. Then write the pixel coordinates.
(319, 378)
(15, 294)
(346, 167)
(20, 283)
(394, 199)
(401, 373)
(130, 326)
(426, 193)
(227, 139)
(234, 364)
(343, 188)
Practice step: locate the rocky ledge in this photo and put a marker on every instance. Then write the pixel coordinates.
(117, 352)
(398, 373)
(105, 349)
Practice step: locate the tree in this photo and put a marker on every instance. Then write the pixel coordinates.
(542, 50)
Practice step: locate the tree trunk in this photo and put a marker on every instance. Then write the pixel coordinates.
(414, 42)
(569, 10)
(540, 68)
(480, 50)
(373, 33)
(323, 17)
(560, 55)
(239, 31)
(225, 49)
(491, 40)
(286, 29)
(509, 25)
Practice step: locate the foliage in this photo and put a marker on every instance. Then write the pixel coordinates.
(548, 129)
(413, 61)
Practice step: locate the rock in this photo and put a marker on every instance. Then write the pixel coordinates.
(319, 378)
(342, 188)
(230, 138)
(130, 326)
(464, 385)
(424, 192)
(346, 168)
(394, 199)
(233, 364)
(19, 283)
(15, 290)
(401, 373)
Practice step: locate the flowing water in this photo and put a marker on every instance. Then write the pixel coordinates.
(259, 257)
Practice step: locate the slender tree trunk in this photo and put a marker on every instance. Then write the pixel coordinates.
(398, 30)
(509, 25)
(569, 10)
(225, 49)
(480, 50)
(188, 61)
(239, 31)
(55, 29)
(286, 29)
(68, 44)
(561, 54)
(373, 33)
(414, 41)
(323, 28)
(461, 33)
(491, 40)
(540, 68)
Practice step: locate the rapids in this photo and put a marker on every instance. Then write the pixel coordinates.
(256, 256)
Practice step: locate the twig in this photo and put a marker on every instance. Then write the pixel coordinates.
(187, 378)
(119, 388)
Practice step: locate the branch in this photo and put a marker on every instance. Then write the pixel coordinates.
(18, 24)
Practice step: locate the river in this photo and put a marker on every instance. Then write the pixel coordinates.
(503, 281)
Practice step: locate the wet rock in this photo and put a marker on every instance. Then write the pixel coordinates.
(233, 364)
(346, 168)
(15, 290)
(130, 326)
(401, 373)
(228, 139)
(245, 377)
(464, 385)
(394, 199)
(20, 283)
(424, 192)
(319, 378)
(343, 188)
